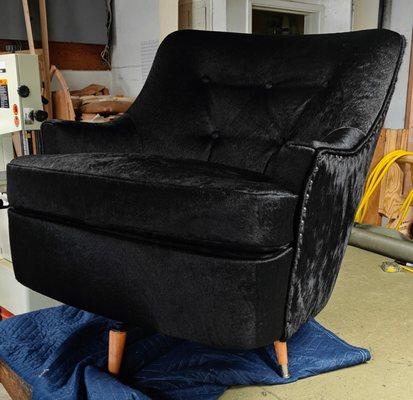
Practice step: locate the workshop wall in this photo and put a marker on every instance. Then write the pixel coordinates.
(81, 22)
(136, 36)
(400, 19)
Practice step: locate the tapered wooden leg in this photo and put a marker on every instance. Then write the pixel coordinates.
(117, 339)
(282, 357)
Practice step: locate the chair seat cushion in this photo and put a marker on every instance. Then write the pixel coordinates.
(175, 201)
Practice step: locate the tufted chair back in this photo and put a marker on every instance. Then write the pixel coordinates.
(237, 99)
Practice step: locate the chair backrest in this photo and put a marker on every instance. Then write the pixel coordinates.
(236, 99)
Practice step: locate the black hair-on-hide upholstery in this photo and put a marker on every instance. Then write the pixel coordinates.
(218, 208)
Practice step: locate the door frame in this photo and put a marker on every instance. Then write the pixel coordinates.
(200, 4)
(313, 13)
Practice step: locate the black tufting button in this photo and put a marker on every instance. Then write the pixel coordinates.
(268, 85)
(214, 135)
(205, 79)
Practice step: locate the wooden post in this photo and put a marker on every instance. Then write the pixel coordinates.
(63, 104)
(373, 216)
(46, 56)
(28, 23)
(392, 186)
(15, 386)
(282, 357)
(117, 340)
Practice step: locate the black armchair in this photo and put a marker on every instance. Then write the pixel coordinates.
(218, 208)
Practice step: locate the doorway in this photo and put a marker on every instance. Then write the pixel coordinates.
(283, 17)
(265, 22)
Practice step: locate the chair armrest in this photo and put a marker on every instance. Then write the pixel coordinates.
(64, 137)
(331, 192)
(294, 161)
(346, 139)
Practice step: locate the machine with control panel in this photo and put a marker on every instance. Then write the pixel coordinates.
(21, 114)
(21, 108)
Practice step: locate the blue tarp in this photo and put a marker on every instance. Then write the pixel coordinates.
(62, 353)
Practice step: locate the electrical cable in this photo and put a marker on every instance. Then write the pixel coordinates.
(373, 181)
(106, 53)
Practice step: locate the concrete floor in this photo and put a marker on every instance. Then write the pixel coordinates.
(369, 308)
(3, 394)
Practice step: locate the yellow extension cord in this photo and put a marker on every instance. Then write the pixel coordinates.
(373, 181)
(408, 269)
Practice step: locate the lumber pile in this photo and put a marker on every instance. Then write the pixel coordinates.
(90, 104)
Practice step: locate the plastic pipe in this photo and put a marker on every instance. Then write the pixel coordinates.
(398, 248)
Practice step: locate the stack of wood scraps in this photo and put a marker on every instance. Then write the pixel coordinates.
(94, 104)
(90, 104)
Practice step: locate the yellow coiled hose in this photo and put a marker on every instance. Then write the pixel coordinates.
(373, 181)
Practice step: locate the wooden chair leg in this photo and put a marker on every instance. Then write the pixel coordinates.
(282, 357)
(117, 339)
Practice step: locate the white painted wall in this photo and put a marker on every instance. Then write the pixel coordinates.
(136, 36)
(168, 17)
(337, 15)
(80, 79)
(365, 14)
(219, 15)
(139, 26)
(237, 15)
(401, 20)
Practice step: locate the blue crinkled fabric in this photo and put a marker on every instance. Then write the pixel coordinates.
(62, 353)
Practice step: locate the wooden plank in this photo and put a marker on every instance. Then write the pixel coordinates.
(5, 314)
(373, 216)
(72, 56)
(110, 107)
(15, 386)
(61, 98)
(77, 56)
(44, 33)
(46, 57)
(392, 186)
(28, 22)
(17, 144)
(405, 159)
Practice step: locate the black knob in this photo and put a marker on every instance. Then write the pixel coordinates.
(23, 91)
(38, 115)
(44, 100)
